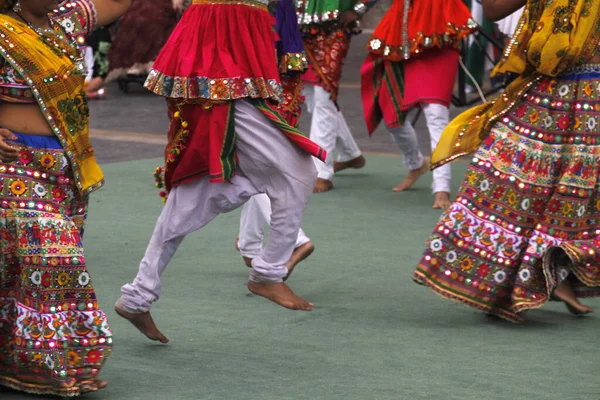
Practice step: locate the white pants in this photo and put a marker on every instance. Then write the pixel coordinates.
(255, 215)
(405, 137)
(268, 163)
(329, 130)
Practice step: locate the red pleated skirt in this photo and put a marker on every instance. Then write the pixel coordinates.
(219, 51)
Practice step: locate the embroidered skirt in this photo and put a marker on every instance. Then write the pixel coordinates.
(528, 209)
(220, 50)
(53, 335)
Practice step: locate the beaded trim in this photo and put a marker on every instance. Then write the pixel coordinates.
(215, 89)
(51, 122)
(583, 69)
(414, 46)
(293, 62)
(327, 16)
(251, 3)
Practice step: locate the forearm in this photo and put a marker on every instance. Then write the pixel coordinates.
(111, 10)
(495, 10)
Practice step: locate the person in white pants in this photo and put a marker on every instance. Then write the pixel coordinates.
(269, 163)
(405, 137)
(330, 131)
(256, 214)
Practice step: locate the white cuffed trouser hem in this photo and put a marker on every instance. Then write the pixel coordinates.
(329, 130)
(405, 138)
(438, 117)
(256, 215)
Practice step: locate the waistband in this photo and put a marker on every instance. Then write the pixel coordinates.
(38, 141)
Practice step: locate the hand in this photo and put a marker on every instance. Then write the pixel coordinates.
(178, 6)
(8, 153)
(347, 18)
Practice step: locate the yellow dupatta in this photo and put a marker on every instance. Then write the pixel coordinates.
(57, 86)
(551, 37)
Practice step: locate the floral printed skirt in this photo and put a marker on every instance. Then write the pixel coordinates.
(53, 336)
(528, 212)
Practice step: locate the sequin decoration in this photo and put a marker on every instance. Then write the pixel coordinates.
(413, 46)
(531, 186)
(220, 89)
(53, 335)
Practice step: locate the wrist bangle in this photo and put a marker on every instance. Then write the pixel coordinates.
(360, 9)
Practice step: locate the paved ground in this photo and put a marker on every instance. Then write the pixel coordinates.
(132, 126)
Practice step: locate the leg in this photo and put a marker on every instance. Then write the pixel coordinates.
(349, 155)
(287, 175)
(438, 117)
(255, 215)
(189, 208)
(324, 131)
(405, 138)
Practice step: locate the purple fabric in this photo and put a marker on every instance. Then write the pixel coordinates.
(287, 29)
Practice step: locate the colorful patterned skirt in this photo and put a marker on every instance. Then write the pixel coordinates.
(53, 335)
(527, 216)
(219, 51)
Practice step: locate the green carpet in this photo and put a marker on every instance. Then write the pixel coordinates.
(373, 335)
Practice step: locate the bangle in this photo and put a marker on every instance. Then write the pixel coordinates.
(360, 9)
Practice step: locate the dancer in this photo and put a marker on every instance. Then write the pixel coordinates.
(412, 63)
(227, 143)
(256, 213)
(54, 338)
(529, 206)
(98, 46)
(326, 42)
(139, 37)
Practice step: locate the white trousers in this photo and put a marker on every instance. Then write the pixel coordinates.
(329, 130)
(405, 137)
(256, 214)
(269, 163)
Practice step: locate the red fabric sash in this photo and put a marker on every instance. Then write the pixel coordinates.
(204, 145)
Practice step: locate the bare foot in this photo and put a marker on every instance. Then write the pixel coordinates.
(412, 177)
(355, 163)
(247, 260)
(441, 201)
(281, 294)
(92, 386)
(143, 322)
(322, 186)
(300, 254)
(564, 292)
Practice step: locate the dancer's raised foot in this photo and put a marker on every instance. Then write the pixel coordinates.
(300, 254)
(143, 322)
(92, 386)
(281, 294)
(412, 177)
(355, 163)
(247, 260)
(564, 292)
(441, 201)
(322, 186)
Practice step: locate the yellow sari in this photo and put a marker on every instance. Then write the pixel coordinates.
(550, 39)
(57, 86)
